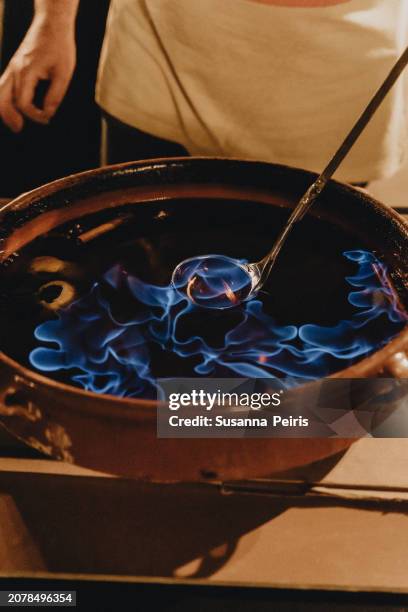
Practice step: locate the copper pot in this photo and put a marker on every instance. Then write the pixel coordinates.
(118, 435)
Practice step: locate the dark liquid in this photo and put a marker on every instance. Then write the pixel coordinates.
(307, 285)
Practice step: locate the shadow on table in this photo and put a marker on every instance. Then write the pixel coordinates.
(118, 526)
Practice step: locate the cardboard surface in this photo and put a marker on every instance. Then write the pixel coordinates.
(62, 518)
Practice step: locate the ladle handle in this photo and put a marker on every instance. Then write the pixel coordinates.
(317, 187)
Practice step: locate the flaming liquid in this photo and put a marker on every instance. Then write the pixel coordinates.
(122, 331)
(115, 357)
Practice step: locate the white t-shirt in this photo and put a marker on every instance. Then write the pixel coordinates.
(275, 80)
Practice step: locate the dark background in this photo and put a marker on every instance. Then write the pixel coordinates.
(71, 142)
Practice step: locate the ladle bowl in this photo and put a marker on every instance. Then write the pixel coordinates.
(216, 281)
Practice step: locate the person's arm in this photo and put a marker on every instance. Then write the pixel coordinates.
(47, 52)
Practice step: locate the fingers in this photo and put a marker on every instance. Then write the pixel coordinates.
(16, 95)
(17, 91)
(8, 112)
(55, 94)
(25, 86)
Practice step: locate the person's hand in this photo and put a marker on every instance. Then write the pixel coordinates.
(46, 53)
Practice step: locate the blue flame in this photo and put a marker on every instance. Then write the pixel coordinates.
(115, 357)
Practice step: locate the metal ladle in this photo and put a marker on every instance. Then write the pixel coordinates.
(218, 281)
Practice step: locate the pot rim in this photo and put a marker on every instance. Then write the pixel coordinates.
(360, 369)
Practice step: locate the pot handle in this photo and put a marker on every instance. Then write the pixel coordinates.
(22, 416)
(397, 365)
(15, 401)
